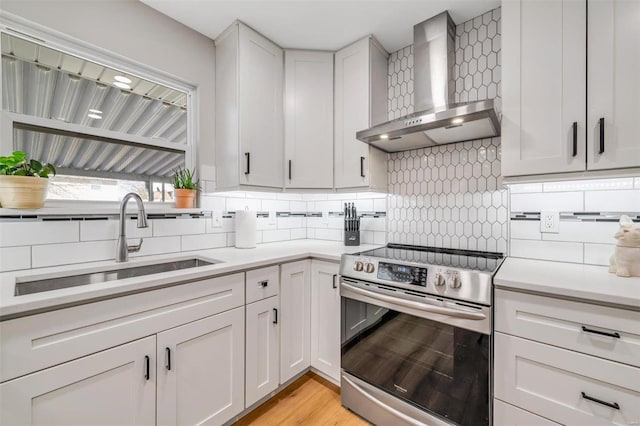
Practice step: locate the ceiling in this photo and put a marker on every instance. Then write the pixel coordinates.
(320, 24)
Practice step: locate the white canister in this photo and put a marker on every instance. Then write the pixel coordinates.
(246, 222)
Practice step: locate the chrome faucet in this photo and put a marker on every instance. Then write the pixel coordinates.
(122, 249)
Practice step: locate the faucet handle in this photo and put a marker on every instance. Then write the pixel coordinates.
(134, 247)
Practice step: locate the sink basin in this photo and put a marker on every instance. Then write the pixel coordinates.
(37, 286)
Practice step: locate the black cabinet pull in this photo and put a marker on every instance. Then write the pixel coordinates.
(599, 401)
(147, 361)
(248, 156)
(602, 333)
(275, 314)
(575, 138)
(168, 360)
(289, 169)
(335, 278)
(601, 136)
(361, 166)
(264, 283)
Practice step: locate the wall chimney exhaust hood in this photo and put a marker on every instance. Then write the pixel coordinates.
(439, 120)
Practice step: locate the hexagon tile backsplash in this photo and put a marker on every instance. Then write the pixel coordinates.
(452, 195)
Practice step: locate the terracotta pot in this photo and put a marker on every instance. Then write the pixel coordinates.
(23, 192)
(185, 198)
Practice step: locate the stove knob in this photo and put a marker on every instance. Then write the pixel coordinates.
(454, 281)
(369, 268)
(438, 280)
(358, 266)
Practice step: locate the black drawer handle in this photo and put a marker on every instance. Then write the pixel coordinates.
(361, 166)
(599, 401)
(168, 360)
(335, 279)
(602, 333)
(248, 155)
(275, 316)
(264, 283)
(601, 136)
(147, 367)
(289, 169)
(575, 138)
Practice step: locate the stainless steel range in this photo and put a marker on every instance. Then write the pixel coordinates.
(416, 335)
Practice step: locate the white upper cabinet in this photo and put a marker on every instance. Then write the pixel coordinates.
(249, 110)
(614, 84)
(360, 102)
(543, 86)
(308, 119)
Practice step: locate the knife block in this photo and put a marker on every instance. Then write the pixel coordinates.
(351, 238)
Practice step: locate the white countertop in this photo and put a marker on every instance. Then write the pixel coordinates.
(231, 260)
(575, 281)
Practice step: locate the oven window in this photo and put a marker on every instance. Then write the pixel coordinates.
(435, 366)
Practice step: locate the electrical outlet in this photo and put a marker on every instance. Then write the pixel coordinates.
(216, 220)
(550, 222)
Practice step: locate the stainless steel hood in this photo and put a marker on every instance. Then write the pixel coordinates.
(439, 120)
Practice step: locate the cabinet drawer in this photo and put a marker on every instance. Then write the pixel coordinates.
(39, 341)
(262, 283)
(507, 415)
(567, 387)
(572, 325)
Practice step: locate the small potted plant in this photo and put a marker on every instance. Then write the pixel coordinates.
(23, 181)
(185, 187)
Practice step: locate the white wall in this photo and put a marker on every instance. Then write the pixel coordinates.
(140, 33)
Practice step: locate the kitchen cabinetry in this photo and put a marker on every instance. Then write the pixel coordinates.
(613, 85)
(543, 86)
(113, 387)
(249, 110)
(263, 349)
(589, 353)
(308, 119)
(544, 50)
(201, 370)
(295, 321)
(360, 102)
(325, 318)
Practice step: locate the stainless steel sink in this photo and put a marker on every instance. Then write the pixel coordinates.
(36, 286)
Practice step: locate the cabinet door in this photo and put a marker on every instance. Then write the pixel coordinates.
(351, 114)
(112, 387)
(614, 86)
(263, 349)
(295, 324)
(325, 318)
(308, 119)
(261, 110)
(543, 86)
(201, 371)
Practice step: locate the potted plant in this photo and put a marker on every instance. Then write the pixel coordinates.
(23, 181)
(185, 187)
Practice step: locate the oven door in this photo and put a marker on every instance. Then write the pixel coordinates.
(431, 353)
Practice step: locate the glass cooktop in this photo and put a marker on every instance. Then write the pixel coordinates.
(463, 259)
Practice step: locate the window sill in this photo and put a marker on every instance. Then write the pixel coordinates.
(84, 208)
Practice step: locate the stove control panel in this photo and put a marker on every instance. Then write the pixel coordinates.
(402, 274)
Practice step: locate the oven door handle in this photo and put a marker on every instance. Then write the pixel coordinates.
(425, 307)
(406, 419)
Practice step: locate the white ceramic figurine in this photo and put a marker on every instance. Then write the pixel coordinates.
(625, 262)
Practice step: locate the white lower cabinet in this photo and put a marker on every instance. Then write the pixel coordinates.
(325, 318)
(113, 387)
(263, 349)
(295, 326)
(201, 371)
(507, 415)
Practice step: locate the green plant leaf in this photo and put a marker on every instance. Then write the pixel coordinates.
(21, 172)
(35, 165)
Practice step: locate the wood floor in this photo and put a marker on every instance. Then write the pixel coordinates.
(310, 400)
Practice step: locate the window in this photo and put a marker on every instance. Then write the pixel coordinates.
(107, 132)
